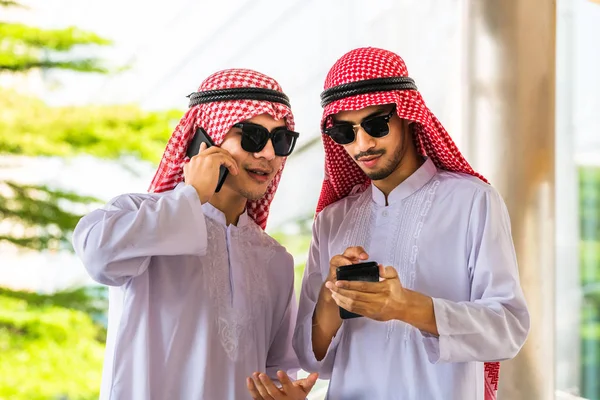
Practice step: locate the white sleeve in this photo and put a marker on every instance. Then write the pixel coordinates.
(281, 355)
(315, 273)
(494, 324)
(116, 243)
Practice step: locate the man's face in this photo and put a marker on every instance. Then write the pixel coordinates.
(257, 170)
(377, 157)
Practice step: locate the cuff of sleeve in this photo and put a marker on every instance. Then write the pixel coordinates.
(312, 364)
(189, 192)
(437, 347)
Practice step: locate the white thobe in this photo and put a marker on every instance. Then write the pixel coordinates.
(448, 236)
(196, 306)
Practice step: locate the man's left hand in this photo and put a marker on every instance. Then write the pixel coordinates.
(381, 301)
(262, 388)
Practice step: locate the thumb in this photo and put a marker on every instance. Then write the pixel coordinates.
(307, 383)
(387, 272)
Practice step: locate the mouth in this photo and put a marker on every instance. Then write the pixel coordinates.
(258, 174)
(369, 161)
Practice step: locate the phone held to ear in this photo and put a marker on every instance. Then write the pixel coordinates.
(367, 272)
(202, 137)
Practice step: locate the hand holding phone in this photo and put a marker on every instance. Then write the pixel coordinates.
(366, 271)
(208, 166)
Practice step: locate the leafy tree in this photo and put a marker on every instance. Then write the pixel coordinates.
(28, 127)
(52, 346)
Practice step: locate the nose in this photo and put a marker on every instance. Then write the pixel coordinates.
(363, 141)
(268, 152)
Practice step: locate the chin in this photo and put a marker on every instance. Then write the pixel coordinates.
(254, 196)
(378, 175)
(254, 193)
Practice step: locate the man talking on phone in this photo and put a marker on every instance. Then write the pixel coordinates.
(200, 296)
(447, 304)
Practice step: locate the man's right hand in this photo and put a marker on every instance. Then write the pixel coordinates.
(202, 172)
(352, 255)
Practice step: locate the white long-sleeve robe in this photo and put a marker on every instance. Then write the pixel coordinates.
(448, 236)
(195, 306)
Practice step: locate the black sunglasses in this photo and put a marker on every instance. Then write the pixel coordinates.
(345, 132)
(255, 138)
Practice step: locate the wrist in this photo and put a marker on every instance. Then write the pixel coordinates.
(203, 199)
(326, 306)
(325, 295)
(418, 311)
(413, 307)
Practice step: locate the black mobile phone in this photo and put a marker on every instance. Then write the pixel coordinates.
(367, 271)
(202, 137)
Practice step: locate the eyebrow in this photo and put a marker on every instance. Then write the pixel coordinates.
(375, 113)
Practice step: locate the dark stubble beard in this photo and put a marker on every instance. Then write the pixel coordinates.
(392, 165)
(387, 170)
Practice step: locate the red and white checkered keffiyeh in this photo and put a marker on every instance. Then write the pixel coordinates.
(343, 175)
(217, 118)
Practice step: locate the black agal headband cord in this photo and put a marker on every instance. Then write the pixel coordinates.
(248, 93)
(366, 86)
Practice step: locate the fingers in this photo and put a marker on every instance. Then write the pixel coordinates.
(228, 161)
(388, 272)
(290, 387)
(253, 390)
(339, 261)
(265, 386)
(344, 302)
(355, 294)
(356, 253)
(217, 155)
(351, 255)
(308, 383)
(359, 286)
(357, 306)
(286, 382)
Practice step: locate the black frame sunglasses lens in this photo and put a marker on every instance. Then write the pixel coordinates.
(283, 141)
(342, 133)
(255, 138)
(377, 127)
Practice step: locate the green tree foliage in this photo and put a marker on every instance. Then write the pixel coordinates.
(41, 213)
(29, 127)
(43, 217)
(589, 206)
(297, 244)
(51, 347)
(23, 47)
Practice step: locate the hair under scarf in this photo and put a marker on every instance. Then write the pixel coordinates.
(343, 176)
(217, 118)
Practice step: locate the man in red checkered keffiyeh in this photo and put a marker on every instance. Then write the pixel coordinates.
(201, 297)
(398, 192)
(217, 118)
